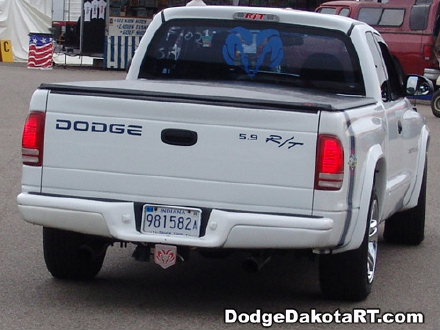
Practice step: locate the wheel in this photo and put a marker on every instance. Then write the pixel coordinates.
(435, 103)
(350, 275)
(408, 227)
(70, 255)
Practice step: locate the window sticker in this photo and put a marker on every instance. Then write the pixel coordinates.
(253, 49)
(207, 38)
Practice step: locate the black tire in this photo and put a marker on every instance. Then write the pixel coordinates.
(74, 256)
(408, 227)
(435, 103)
(350, 275)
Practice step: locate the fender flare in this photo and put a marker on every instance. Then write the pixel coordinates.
(356, 232)
(423, 151)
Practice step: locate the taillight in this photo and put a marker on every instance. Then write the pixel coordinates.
(329, 173)
(33, 139)
(428, 52)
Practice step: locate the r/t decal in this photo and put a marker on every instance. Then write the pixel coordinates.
(289, 143)
(278, 140)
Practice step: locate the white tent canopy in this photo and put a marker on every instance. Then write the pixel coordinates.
(18, 18)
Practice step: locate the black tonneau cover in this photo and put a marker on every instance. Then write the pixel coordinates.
(256, 96)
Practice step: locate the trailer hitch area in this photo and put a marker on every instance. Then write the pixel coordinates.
(163, 255)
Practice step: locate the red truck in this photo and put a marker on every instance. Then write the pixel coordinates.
(409, 27)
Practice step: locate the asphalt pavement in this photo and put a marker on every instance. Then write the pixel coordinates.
(193, 295)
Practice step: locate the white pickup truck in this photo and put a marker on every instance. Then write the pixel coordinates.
(236, 128)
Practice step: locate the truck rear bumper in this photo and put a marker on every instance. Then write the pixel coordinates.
(228, 229)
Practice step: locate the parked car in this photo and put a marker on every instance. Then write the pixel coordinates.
(435, 101)
(408, 26)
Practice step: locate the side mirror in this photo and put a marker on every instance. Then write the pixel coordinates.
(418, 86)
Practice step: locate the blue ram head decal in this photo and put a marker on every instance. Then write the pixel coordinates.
(269, 40)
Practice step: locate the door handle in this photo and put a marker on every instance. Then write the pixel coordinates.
(179, 137)
(399, 127)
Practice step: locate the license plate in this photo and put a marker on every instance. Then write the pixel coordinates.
(170, 220)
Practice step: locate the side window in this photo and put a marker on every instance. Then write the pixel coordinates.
(382, 17)
(395, 73)
(392, 17)
(370, 16)
(327, 10)
(344, 12)
(379, 64)
(388, 69)
(419, 17)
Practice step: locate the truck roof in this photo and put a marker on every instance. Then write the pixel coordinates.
(288, 16)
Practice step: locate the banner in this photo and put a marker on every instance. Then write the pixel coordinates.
(41, 48)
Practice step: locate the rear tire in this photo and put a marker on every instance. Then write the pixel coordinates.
(350, 275)
(70, 255)
(435, 103)
(408, 227)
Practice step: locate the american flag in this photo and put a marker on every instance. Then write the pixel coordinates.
(41, 49)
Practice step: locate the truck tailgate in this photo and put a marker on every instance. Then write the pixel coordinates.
(192, 154)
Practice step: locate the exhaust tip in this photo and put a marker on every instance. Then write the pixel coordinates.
(255, 264)
(250, 265)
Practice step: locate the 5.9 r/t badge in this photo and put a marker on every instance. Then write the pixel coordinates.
(278, 140)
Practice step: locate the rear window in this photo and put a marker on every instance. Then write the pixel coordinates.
(255, 52)
(381, 16)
